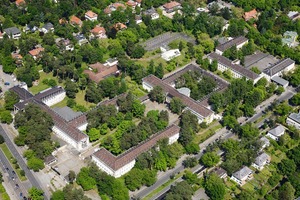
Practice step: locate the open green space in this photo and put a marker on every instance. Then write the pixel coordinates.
(4, 195)
(41, 86)
(11, 159)
(206, 133)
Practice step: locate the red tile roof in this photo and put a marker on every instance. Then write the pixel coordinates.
(37, 51)
(131, 3)
(120, 26)
(187, 101)
(251, 14)
(20, 2)
(91, 14)
(171, 5)
(116, 162)
(75, 20)
(102, 71)
(98, 30)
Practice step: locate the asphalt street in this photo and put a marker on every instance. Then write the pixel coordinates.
(12, 178)
(21, 162)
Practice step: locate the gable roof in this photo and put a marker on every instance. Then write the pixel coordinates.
(91, 14)
(277, 131)
(243, 173)
(102, 71)
(171, 5)
(279, 66)
(98, 30)
(261, 159)
(251, 14)
(234, 42)
(48, 26)
(20, 2)
(12, 31)
(75, 20)
(187, 101)
(37, 51)
(235, 67)
(116, 162)
(295, 117)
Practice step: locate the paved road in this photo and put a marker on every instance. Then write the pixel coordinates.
(12, 179)
(21, 162)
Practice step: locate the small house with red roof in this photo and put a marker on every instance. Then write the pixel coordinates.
(98, 32)
(36, 53)
(171, 6)
(91, 16)
(75, 21)
(250, 15)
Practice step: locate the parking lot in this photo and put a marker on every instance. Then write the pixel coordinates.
(10, 80)
(150, 105)
(165, 39)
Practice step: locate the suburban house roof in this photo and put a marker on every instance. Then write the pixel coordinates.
(37, 51)
(279, 66)
(234, 42)
(12, 31)
(98, 30)
(116, 162)
(75, 20)
(49, 159)
(261, 159)
(235, 67)
(131, 3)
(187, 101)
(48, 26)
(120, 26)
(295, 117)
(243, 173)
(277, 131)
(171, 5)
(219, 171)
(91, 14)
(102, 71)
(20, 2)
(265, 141)
(249, 15)
(66, 113)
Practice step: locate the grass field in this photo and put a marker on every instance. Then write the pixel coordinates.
(205, 134)
(4, 195)
(41, 86)
(11, 159)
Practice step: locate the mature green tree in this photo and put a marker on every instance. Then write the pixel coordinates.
(286, 166)
(295, 100)
(190, 162)
(181, 190)
(192, 148)
(216, 100)
(85, 180)
(71, 89)
(159, 71)
(71, 176)
(35, 164)
(1, 139)
(209, 159)
(230, 121)
(287, 191)
(10, 99)
(94, 134)
(58, 195)
(213, 66)
(214, 187)
(157, 94)
(6, 117)
(189, 127)
(138, 108)
(36, 194)
(176, 105)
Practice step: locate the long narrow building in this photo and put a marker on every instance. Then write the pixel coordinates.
(119, 165)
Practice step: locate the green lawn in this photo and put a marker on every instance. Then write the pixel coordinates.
(41, 86)
(208, 132)
(4, 195)
(11, 158)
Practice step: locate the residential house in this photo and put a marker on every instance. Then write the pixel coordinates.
(202, 113)
(264, 142)
(113, 7)
(17, 57)
(81, 39)
(98, 71)
(250, 15)
(29, 28)
(62, 21)
(138, 19)
(242, 176)
(220, 172)
(261, 160)
(120, 26)
(49, 160)
(294, 120)
(170, 54)
(91, 16)
(111, 62)
(239, 42)
(275, 133)
(221, 4)
(132, 4)
(64, 44)
(36, 53)
(48, 27)
(290, 39)
(236, 70)
(20, 2)
(278, 69)
(152, 13)
(12, 32)
(117, 166)
(75, 21)
(171, 6)
(294, 15)
(98, 32)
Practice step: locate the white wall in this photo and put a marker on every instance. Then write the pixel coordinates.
(50, 101)
(82, 127)
(147, 87)
(173, 138)
(293, 123)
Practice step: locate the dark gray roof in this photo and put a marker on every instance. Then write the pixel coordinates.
(234, 42)
(234, 67)
(21, 92)
(48, 26)
(279, 66)
(242, 173)
(295, 117)
(277, 131)
(12, 31)
(49, 159)
(279, 80)
(67, 113)
(50, 91)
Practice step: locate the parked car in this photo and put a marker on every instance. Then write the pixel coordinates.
(6, 83)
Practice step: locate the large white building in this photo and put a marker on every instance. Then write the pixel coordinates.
(294, 120)
(202, 113)
(169, 55)
(279, 68)
(239, 42)
(236, 70)
(68, 125)
(119, 165)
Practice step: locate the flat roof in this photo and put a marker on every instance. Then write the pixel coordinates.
(260, 60)
(234, 42)
(67, 113)
(279, 80)
(279, 66)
